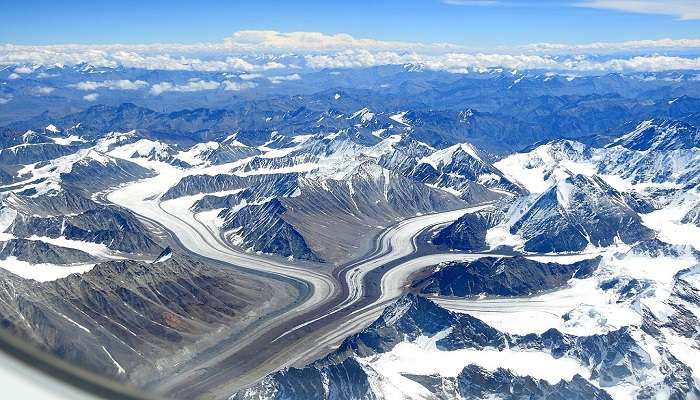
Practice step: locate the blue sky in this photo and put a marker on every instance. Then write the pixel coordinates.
(479, 23)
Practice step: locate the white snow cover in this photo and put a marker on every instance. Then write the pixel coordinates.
(193, 156)
(564, 193)
(52, 170)
(141, 148)
(444, 156)
(590, 309)
(52, 128)
(421, 357)
(539, 169)
(96, 249)
(42, 272)
(365, 115)
(667, 221)
(64, 141)
(399, 117)
(120, 370)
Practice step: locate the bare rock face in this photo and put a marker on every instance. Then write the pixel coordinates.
(263, 228)
(38, 252)
(115, 228)
(337, 216)
(468, 232)
(693, 216)
(125, 318)
(24, 154)
(503, 276)
(576, 212)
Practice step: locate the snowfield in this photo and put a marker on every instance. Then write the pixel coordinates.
(42, 272)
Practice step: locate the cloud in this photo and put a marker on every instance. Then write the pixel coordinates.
(152, 57)
(194, 85)
(626, 46)
(248, 77)
(274, 41)
(639, 63)
(5, 100)
(465, 63)
(453, 62)
(231, 51)
(24, 70)
(280, 78)
(44, 90)
(248, 54)
(683, 9)
(238, 86)
(91, 97)
(121, 84)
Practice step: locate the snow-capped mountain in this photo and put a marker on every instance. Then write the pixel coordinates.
(660, 135)
(417, 349)
(578, 212)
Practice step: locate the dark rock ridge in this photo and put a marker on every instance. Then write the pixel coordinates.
(502, 276)
(661, 135)
(576, 212)
(260, 189)
(264, 185)
(225, 153)
(99, 172)
(24, 154)
(263, 228)
(337, 216)
(468, 232)
(693, 216)
(115, 228)
(54, 203)
(458, 167)
(37, 252)
(287, 215)
(477, 383)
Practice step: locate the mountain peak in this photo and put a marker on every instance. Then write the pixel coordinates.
(660, 135)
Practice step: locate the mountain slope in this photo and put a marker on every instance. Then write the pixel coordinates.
(579, 211)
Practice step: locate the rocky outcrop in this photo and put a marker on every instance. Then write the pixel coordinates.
(115, 228)
(576, 212)
(502, 276)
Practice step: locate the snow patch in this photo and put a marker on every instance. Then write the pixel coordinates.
(42, 272)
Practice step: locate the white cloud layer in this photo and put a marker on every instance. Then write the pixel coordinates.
(281, 78)
(238, 86)
(683, 9)
(194, 85)
(250, 53)
(273, 41)
(463, 63)
(121, 84)
(45, 90)
(91, 97)
(24, 70)
(605, 47)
